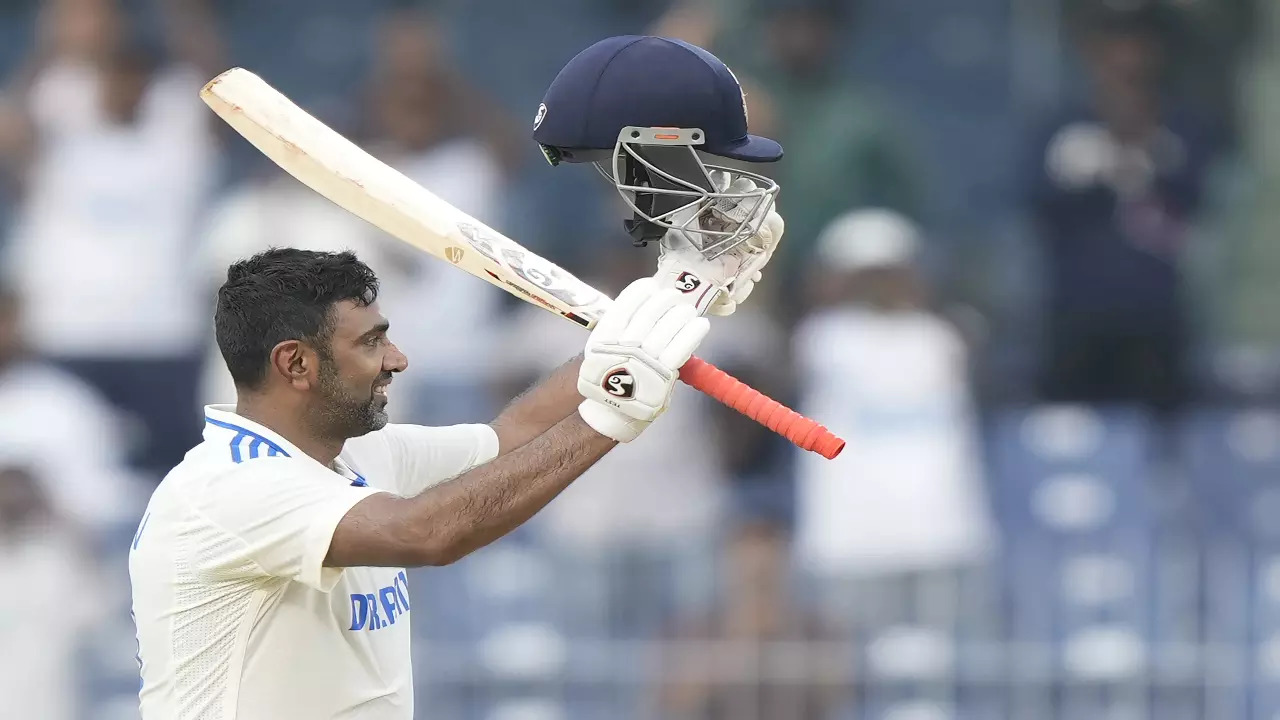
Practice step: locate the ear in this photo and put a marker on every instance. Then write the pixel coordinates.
(297, 363)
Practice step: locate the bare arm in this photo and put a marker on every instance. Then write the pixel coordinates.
(538, 409)
(451, 520)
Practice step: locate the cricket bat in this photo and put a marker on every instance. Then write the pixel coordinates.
(356, 181)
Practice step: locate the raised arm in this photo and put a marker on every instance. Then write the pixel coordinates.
(539, 408)
(626, 376)
(451, 520)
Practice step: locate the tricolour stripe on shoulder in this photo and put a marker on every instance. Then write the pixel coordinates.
(239, 453)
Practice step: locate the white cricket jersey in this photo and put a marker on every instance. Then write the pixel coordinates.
(237, 617)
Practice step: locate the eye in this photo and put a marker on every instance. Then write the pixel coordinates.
(375, 340)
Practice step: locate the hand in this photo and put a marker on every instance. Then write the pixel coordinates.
(633, 357)
(717, 286)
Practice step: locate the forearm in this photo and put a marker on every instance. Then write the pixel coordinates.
(539, 408)
(451, 520)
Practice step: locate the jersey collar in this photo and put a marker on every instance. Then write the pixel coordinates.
(253, 440)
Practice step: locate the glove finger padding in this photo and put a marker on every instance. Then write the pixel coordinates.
(735, 211)
(648, 315)
(681, 348)
(771, 230)
(665, 330)
(614, 322)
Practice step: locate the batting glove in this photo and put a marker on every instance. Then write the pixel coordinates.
(717, 287)
(633, 358)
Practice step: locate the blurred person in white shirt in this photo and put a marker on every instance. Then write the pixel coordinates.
(118, 166)
(72, 439)
(906, 498)
(40, 622)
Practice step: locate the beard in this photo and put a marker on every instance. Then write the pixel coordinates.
(345, 413)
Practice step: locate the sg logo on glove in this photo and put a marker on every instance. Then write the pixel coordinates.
(687, 282)
(620, 384)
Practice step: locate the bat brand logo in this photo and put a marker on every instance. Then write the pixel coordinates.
(453, 254)
(687, 282)
(542, 113)
(620, 384)
(550, 279)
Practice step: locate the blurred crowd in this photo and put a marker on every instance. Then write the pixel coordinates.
(1029, 274)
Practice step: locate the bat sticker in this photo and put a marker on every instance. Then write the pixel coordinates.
(529, 266)
(481, 242)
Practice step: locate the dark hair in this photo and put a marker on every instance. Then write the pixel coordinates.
(284, 294)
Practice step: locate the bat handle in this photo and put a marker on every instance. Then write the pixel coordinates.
(731, 391)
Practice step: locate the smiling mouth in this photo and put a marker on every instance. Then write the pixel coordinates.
(381, 390)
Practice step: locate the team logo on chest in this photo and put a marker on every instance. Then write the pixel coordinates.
(375, 611)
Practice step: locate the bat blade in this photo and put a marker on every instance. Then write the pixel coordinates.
(341, 171)
(350, 177)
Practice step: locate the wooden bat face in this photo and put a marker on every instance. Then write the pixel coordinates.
(356, 181)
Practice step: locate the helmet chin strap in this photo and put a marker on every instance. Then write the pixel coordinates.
(641, 230)
(679, 161)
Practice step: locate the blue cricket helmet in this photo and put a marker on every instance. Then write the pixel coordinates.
(651, 82)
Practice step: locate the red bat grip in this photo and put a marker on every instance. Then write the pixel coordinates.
(731, 391)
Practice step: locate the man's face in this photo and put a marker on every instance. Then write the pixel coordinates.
(84, 28)
(22, 500)
(125, 87)
(354, 377)
(801, 41)
(1126, 62)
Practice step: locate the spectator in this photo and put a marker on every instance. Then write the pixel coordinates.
(844, 147)
(905, 498)
(740, 660)
(1113, 185)
(122, 160)
(39, 559)
(67, 434)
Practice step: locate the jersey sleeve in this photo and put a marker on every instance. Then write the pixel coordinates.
(274, 520)
(423, 456)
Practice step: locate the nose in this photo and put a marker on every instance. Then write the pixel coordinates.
(395, 361)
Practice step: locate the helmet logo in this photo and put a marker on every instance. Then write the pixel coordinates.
(542, 113)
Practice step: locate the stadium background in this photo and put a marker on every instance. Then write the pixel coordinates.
(1059, 499)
